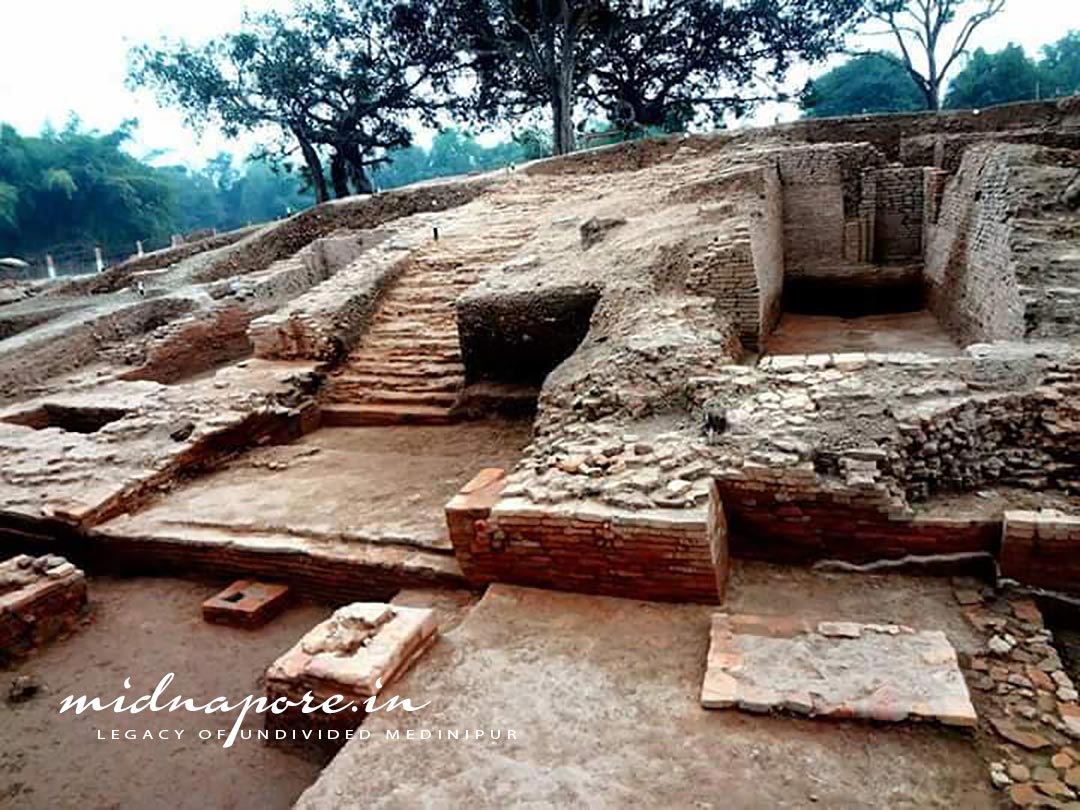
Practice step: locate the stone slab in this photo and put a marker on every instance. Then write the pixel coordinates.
(848, 670)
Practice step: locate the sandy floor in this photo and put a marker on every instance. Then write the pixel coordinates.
(902, 332)
(612, 718)
(377, 483)
(142, 629)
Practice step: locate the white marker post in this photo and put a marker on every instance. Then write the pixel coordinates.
(50, 265)
(99, 259)
(139, 248)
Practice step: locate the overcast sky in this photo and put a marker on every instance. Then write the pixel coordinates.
(61, 56)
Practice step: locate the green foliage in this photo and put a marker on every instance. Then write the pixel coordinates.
(75, 187)
(455, 152)
(880, 83)
(9, 201)
(871, 83)
(994, 78)
(1059, 68)
(342, 77)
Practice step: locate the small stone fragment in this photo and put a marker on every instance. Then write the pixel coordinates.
(1026, 739)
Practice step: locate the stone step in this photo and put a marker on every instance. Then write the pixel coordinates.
(441, 399)
(440, 348)
(349, 415)
(412, 331)
(443, 320)
(363, 383)
(418, 367)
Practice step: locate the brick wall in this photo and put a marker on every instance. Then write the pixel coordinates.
(824, 202)
(40, 611)
(328, 321)
(767, 251)
(740, 263)
(790, 515)
(659, 554)
(971, 280)
(898, 217)
(1042, 549)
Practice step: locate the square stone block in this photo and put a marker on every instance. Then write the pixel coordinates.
(356, 654)
(246, 603)
(834, 669)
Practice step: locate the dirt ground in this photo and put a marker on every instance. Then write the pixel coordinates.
(613, 718)
(901, 332)
(372, 484)
(143, 629)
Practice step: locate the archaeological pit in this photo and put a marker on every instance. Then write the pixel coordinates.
(742, 465)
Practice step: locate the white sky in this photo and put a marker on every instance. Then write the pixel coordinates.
(58, 56)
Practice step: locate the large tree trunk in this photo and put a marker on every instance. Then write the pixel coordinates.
(562, 84)
(339, 175)
(562, 108)
(314, 166)
(361, 178)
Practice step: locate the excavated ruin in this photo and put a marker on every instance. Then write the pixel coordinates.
(744, 372)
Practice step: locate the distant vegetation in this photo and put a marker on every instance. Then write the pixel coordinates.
(339, 87)
(877, 83)
(67, 191)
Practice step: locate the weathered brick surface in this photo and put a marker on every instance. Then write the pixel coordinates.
(789, 516)
(844, 670)
(1042, 549)
(669, 555)
(246, 603)
(50, 603)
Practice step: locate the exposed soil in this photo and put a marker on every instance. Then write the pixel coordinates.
(375, 483)
(613, 718)
(142, 629)
(902, 332)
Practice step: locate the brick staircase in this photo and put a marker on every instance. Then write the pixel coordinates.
(407, 368)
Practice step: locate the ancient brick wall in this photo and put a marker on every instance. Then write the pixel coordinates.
(328, 321)
(823, 196)
(785, 516)
(65, 347)
(1042, 549)
(739, 259)
(665, 555)
(888, 132)
(970, 276)
(898, 214)
(52, 603)
(767, 251)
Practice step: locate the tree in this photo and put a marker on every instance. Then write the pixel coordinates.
(528, 54)
(78, 186)
(864, 84)
(994, 78)
(1059, 68)
(452, 152)
(662, 62)
(922, 28)
(338, 75)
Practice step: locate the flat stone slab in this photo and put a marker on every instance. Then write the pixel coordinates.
(838, 669)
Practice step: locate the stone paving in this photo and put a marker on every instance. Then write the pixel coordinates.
(843, 670)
